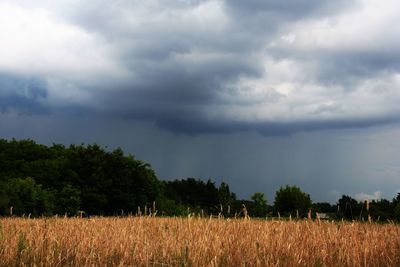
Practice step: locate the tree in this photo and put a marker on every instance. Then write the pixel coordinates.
(395, 206)
(27, 197)
(291, 199)
(349, 208)
(380, 209)
(4, 201)
(68, 201)
(260, 205)
(226, 199)
(64, 179)
(395, 201)
(224, 195)
(195, 194)
(323, 207)
(397, 212)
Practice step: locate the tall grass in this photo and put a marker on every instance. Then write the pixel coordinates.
(151, 241)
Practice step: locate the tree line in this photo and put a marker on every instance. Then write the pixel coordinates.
(39, 180)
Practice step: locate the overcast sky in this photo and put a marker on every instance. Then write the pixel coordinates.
(256, 93)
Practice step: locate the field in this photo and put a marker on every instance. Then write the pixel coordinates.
(149, 241)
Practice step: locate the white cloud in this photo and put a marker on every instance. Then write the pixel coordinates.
(302, 98)
(370, 25)
(34, 43)
(377, 195)
(306, 47)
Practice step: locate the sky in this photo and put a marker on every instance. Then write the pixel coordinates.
(256, 93)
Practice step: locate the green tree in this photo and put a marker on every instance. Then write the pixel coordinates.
(379, 209)
(226, 199)
(68, 201)
(195, 194)
(323, 207)
(260, 205)
(349, 208)
(27, 197)
(4, 201)
(397, 212)
(290, 200)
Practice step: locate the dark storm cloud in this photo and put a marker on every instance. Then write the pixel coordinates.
(175, 85)
(362, 65)
(213, 66)
(191, 124)
(23, 95)
(284, 10)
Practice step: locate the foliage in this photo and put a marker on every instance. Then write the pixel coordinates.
(43, 180)
(397, 212)
(349, 208)
(68, 200)
(200, 196)
(260, 205)
(292, 200)
(225, 197)
(381, 210)
(27, 197)
(323, 207)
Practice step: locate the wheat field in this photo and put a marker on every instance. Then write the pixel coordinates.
(152, 241)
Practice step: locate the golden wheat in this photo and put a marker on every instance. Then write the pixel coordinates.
(149, 241)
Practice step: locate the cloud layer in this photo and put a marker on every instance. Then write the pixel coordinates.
(205, 66)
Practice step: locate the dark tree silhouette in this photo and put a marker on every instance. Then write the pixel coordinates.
(291, 200)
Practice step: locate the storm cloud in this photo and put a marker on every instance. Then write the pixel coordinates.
(211, 66)
(22, 95)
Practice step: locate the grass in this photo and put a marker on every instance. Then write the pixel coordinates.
(152, 241)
